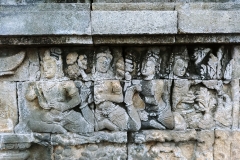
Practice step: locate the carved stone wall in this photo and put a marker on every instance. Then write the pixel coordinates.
(110, 79)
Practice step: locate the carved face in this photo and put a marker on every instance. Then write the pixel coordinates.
(82, 61)
(148, 68)
(49, 69)
(103, 64)
(180, 67)
(71, 58)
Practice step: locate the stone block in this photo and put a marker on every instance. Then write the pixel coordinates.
(226, 145)
(47, 107)
(19, 64)
(155, 144)
(8, 106)
(208, 21)
(164, 151)
(203, 104)
(91, 151)
(161, 136)
(45, 19)
(90, 138)
(133, 22)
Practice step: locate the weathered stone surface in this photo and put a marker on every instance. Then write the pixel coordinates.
(8, 106)
(171, 144)
(207, 38)
(19, 65)
(151, 100)
(41, 112)
(133, 22)
(236, 62)
(130, 40)
(155, 1)
(204, 104)
(91, 151)
(111, 113)
(14, 2)
(191, 21)
(226, 145)
(163, 136)
(94, 64)
(133, 6)
(96, 137)
(45, 19)
(36, 40)
(164, 151)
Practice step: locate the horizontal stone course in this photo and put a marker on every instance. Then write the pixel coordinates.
(191, 21)
(46, 20)
(133, 22)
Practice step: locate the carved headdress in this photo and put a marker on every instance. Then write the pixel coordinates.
(104, 52)
(53, 55)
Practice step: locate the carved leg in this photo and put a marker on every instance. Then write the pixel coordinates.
(167, 119)
(106, 124)
(152, 124)
(38, 126)
(77, 124)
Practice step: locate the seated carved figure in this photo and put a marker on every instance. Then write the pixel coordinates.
(157, 113)
(57, 99)
(108, 114)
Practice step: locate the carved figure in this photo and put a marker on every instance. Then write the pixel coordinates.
(157, 113)
(82, 63)
(181, 60)
(57, 99)
(103, 69)
(9, 64)
(109, 114)
(72, 70)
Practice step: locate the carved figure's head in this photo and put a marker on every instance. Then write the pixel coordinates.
(49, 65)
(104, 59)
(149, 64)
(181, 63)
(71, 58)
(82, 61)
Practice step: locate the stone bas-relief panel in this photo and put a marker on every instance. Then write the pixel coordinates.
(184, 62)
(94, 64)
(19, 64)
(103, 151)
(151, 99)
(53, 107)
(202, 104)
(147, 63)
(8, 106)
(111, 112)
